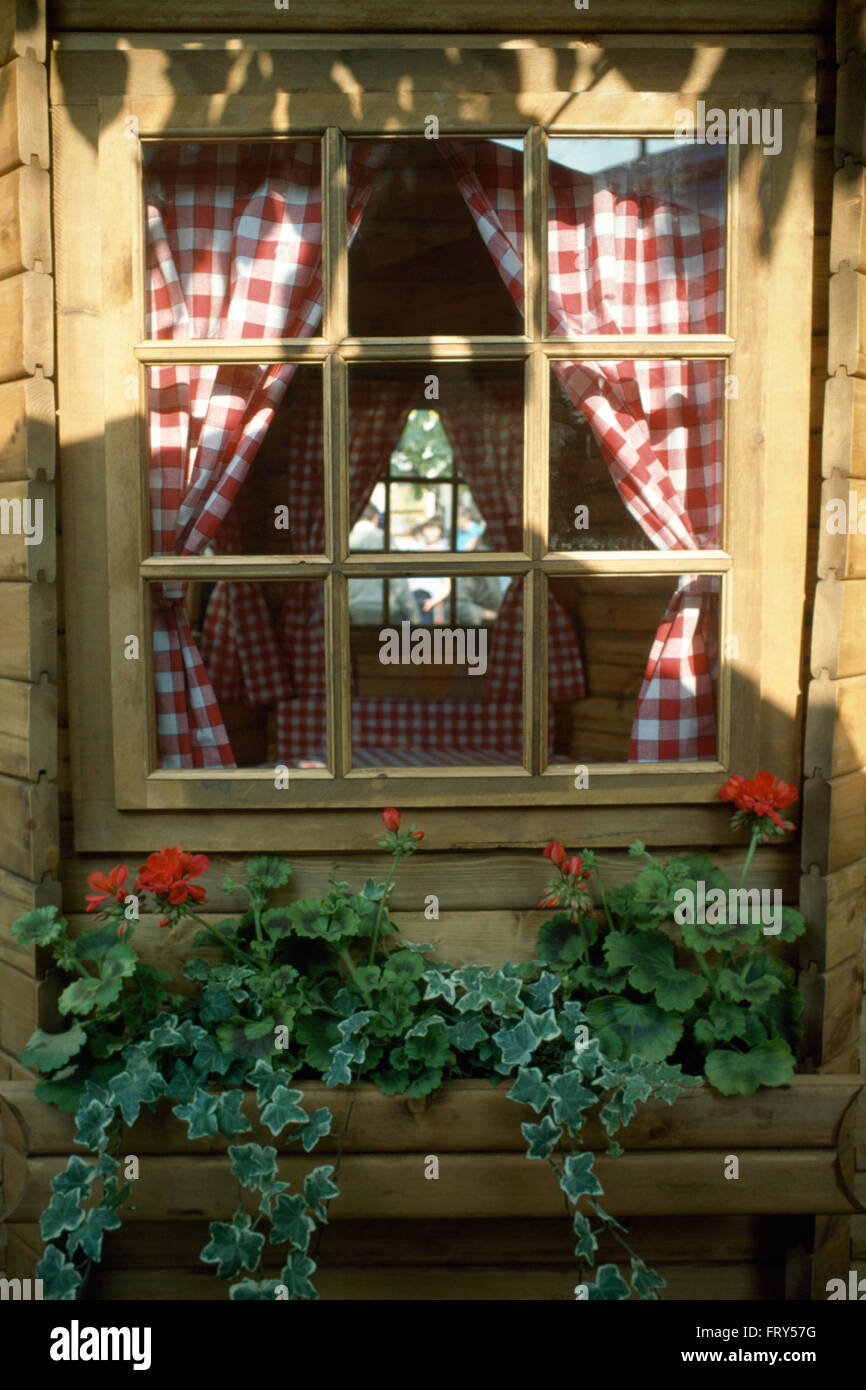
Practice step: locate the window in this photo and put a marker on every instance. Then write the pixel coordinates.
(450, 451)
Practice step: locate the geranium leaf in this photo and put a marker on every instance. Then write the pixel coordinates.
(49, 1051)
(269, 871)
(649, 958)
(741, 1073)
(624, 1027)
(39, 927)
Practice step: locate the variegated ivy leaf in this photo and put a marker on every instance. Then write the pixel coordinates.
(165, 1032)
(76, 1177)
(517, 1044)
(439, 986)
(318, 1125)
(284, 1109)
(423, 1026)
(265, 1080)
(200, 1114)
(62, 1214)
(290, 1222)
(339, 1073)
(92, 1121)
(587, 1244)
(88, 1236)
(140, 1084)
(60, 1278)
(543, 1138)
(530, 1088)
(544, 1025)
(542, 990)
(296, 1275)
(570, 1099)
(233, 1246)
(229, 1117)
(467, 1032)
(645, 1281)
(609, 1285)
(578, 1180)
(249, 1290)
(253, 1165)
(319, 1189)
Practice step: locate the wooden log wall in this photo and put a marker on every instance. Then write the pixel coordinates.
(833, 843)
(29, 825)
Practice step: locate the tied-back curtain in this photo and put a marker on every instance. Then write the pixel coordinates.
(234, 237)
(628, 257)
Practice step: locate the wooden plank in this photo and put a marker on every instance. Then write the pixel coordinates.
(377, 1186)
(22, 30)
(850, 28)
(842, 1063)
(18, 896)
(27, 428)
(844, 427)
(27, 530)
(848, 234)
(834, 821)
(832, 1013)
(25, 220)
(472, 1115)
(729, 1239)
(28, 614)
(850, 128)
(25, 1004)
(833, 908)
(846, 339)
(842, 547)
(28, 828)
(832, 1253)
(14, 1071)
(27, 311)
(839, 628)
(835, 726)
(28, 729)
(23, 114)
(507, 880)
(496, 16)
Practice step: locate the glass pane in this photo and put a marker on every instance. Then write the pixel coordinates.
(256, 695)
(236, 460)
(436, 457)
(636, 236)
(438, 247)
(642, 702)
(439, 684)
(234, 239)
(636, 455)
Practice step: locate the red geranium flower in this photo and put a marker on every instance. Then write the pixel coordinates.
(391, 818)
(417, 835)
(555, 852)
(763, 795)
(167, 875)
(106, 886)
(574, 867)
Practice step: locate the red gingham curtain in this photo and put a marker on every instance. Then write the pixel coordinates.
(630, 259)
(234, 251)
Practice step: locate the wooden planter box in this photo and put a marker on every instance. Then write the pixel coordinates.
(490, 1205)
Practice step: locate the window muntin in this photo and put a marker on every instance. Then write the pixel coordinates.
(497, 217)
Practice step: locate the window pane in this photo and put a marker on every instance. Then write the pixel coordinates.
(440, 684)
(240, 674)
(234, 239)
(235, 460)
(436, 456)
(636, 455)
(439, 245)
(650, 650)
(636, 236)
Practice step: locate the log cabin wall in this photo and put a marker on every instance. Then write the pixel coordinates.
(487, 897)
(29, 845)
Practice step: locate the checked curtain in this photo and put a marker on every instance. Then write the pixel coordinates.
(628, 257)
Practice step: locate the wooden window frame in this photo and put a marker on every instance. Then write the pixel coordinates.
(765, 437)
